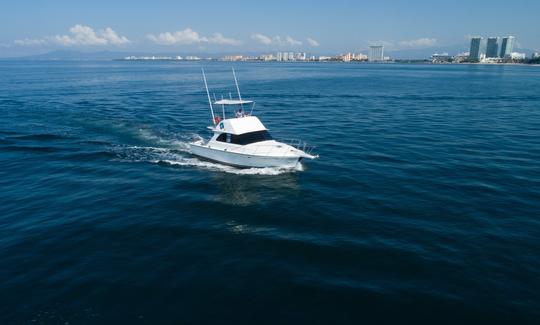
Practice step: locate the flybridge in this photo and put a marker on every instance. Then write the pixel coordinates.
(232, 102)
(241, 102)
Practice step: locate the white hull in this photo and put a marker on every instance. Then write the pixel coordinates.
(242, 159)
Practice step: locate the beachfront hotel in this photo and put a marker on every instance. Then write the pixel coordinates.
(494, 48)
(376, 53)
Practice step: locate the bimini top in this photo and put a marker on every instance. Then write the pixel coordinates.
(240, 125)
(232, 102)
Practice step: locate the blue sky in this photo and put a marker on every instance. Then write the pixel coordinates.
(28, 27)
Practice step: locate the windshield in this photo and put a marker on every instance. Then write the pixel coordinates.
(245, 138)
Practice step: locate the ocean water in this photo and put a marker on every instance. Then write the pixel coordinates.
(424, 206)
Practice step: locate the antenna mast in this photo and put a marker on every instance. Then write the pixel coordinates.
(208, 94)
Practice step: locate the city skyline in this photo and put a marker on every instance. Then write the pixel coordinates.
(31, 27)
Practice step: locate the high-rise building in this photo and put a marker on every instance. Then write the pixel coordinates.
(493, 47)
(300, 56)
(507, 47)
(478, 49)
(376, 53)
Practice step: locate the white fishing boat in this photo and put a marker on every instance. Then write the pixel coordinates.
(243, 141)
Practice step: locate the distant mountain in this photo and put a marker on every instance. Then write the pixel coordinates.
(427, 52)
(71, 55)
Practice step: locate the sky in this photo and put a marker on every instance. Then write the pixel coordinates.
(320, 27)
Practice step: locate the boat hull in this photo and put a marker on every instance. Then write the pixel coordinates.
(243, 160)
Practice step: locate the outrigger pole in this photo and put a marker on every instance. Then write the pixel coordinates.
(237, 88)
(223, 107)
(209, 99)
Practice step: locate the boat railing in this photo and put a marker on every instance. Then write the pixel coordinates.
(299, 144)
(276, 151)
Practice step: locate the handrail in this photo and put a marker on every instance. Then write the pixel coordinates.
(267, 149)
(299, 144)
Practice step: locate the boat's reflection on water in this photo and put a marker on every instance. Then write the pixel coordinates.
(245, 190)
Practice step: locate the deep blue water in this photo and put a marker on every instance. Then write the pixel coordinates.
(424, 206)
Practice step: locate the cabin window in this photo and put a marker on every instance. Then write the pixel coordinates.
(222, 137)
(250, 137)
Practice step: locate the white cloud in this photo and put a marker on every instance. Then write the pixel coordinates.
(421, 42)
(186, 36)
(275, 40)
(218, 38)
(30, 42)
(312, 42)
(85, 35)
(189, 36)
(263, 39)
(114, 38)
(79, 35)
(292, 42)
(82, 35)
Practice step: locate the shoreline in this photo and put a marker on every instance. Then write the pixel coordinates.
(411, 62)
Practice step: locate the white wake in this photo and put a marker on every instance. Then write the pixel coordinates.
(195, 162)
